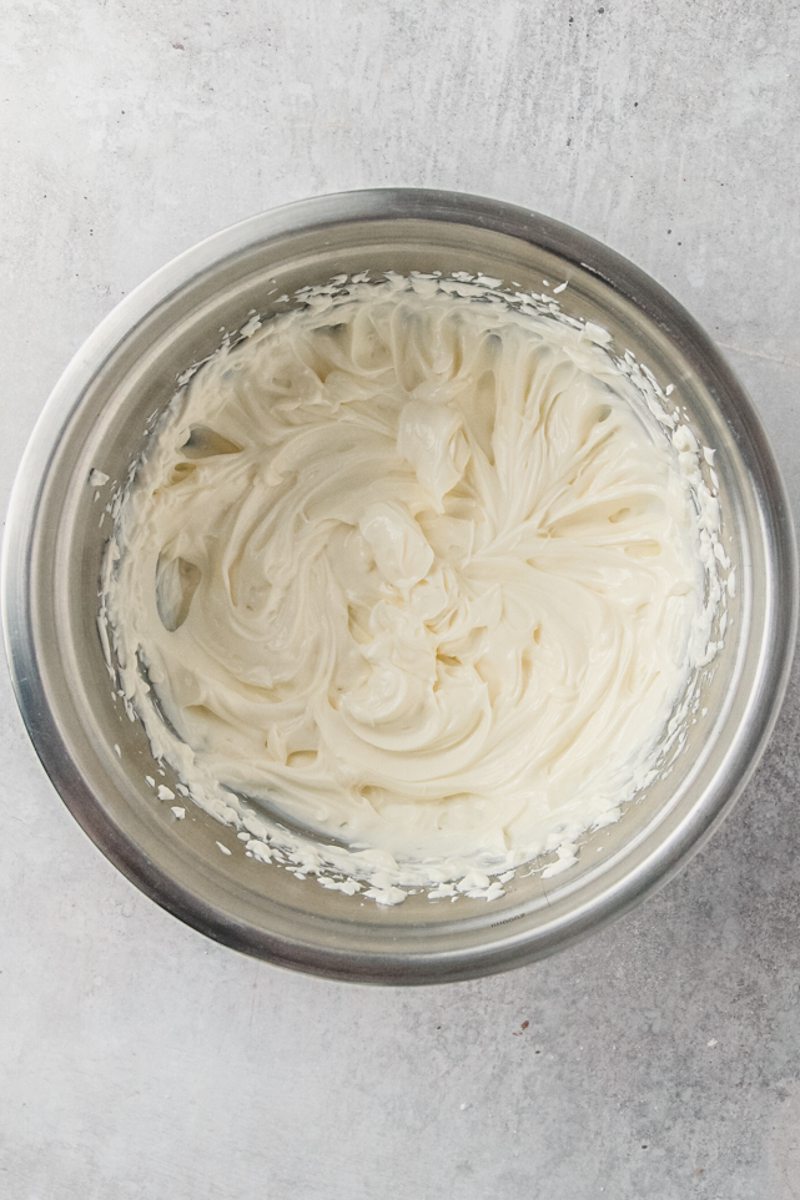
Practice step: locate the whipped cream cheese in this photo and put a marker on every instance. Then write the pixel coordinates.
(409, 588)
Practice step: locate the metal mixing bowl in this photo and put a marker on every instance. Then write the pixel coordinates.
(97, 417)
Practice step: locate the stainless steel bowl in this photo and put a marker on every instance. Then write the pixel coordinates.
(97, 417)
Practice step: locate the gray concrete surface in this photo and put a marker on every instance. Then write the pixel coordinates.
(661, 1059)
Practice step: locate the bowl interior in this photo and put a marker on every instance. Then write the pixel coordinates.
(99, 759)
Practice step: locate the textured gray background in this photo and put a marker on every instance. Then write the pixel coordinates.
(662, 1057)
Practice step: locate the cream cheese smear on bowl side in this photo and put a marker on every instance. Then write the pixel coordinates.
(413, 583)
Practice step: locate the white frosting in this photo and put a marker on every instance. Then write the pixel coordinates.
(417, 574)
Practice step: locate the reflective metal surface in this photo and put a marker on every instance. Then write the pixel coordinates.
(97, 417)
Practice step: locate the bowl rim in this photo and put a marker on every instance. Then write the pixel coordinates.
(22, 650)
